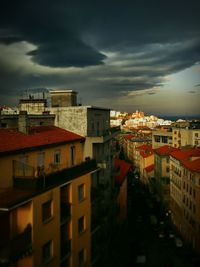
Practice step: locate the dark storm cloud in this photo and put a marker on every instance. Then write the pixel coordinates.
(50, 28)
(148, 39)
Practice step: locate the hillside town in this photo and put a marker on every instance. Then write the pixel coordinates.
(86, 178)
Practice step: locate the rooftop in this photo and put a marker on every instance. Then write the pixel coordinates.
(165, 150)
(190, 158)
(11, 140)
(124, 167)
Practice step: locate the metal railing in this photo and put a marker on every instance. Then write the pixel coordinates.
(50, 178)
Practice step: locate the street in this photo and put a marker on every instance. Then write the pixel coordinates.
(147, 238)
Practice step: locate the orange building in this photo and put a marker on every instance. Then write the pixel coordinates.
(45, 206)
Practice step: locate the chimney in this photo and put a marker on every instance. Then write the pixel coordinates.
(23, 124)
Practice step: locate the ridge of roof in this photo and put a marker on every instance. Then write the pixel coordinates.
(12, 140)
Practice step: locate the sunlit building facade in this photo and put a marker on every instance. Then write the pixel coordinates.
(45, 186)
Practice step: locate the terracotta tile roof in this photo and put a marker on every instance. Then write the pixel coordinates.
(146, 154)
(145, 150)
(144, 147)
(182, 154)
(124, 167)
(190, 158)
(165, 150)
(12, 140)
(193, 165)
(150, 168)
(129, 136)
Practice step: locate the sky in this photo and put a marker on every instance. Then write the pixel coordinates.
(124, 55)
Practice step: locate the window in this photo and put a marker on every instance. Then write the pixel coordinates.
(157, 138)
(81, 257)
(196, 134)
(72, 155)
(81, 225)
(167, 169)
(165, 139)
(40, 159)
(47, 251)
(81, 192)
(46, 210)
(57, 156)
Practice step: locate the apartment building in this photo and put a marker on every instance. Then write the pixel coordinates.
(162, 173)
(10, 120)
(146, 159)
(45, 214)
(93, 123)
(185, 136)
(179, 135)
(161, 136)
(185, 194)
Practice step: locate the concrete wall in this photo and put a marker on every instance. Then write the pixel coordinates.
(73, 119)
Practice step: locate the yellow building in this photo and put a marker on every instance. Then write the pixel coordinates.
(146, 159)
(45, 206)
(185, 194)
(185, 136)
(161, 136)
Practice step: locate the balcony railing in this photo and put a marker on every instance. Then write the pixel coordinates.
(44, 179)
(20, 246)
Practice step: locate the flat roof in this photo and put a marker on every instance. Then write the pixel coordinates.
(62, 91)
(12, 197)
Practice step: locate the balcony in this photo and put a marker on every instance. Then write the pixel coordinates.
(25, 176)
(103, 135)
(19, 247)
(65, 249)
(65, 212)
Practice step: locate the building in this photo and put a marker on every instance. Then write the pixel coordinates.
(186, 136)
(93, 123)
(45, 184)
(162, 173)
(161, 136)
(146, 159)
(10, 120)
(185, 194)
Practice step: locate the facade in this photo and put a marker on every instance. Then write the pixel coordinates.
(162, 173)
(93, 123)
(146, 159)
(185, 136)
(44, 192)
(63, 98)
(11, 120)
(185, 194)
(161, 136)
(32, 105)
